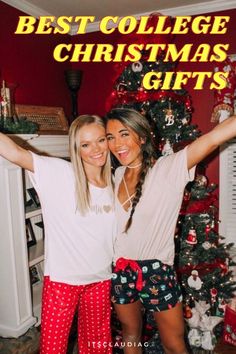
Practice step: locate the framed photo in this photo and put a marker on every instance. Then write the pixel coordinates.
(35, 274)
(30, 236)
(41, 226)
(34, 197)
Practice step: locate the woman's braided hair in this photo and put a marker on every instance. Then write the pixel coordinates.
(139, 124)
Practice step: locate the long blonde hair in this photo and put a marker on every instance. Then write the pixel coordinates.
(81, 181)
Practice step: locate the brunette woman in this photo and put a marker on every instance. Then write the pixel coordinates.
(148, 196)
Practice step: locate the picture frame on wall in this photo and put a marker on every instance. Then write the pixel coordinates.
(30, 236)
(34, 197)
(35, 274)
(40, 224)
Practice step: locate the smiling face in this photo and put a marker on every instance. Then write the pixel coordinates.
(93, 146)
(124, 143)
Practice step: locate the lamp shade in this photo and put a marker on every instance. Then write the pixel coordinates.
(73, 79)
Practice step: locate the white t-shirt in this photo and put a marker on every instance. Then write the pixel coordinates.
(78, 249)
(151, 235)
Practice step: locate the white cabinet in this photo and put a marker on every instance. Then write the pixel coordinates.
(20, 302)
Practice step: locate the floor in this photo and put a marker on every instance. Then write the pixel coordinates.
(28, 344)
(222, 348)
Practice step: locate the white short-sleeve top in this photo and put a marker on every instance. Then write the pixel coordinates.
(78, 249)
(151, 235)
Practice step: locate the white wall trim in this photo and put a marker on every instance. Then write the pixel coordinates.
(195, 9)
(27, 8)
(200, 8)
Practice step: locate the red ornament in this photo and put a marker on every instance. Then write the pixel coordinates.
(186, 196)
(207, 230)
(214, 293)
(187, 312)
(192, 237)
(188, 103)
(224, 268)
(142, 95)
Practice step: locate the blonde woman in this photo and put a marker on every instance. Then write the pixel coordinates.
(78, 213)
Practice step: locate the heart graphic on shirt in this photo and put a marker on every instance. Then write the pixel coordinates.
(107, 208)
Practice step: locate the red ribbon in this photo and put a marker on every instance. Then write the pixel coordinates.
(198, 206)
(122, 264)
(204, 268)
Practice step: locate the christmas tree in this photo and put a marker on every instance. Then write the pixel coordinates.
(202, 258)
(203, 262)
(168, 111)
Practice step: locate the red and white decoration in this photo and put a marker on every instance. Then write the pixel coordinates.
(224, 99)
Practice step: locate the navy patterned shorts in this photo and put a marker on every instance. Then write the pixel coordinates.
(152, 282)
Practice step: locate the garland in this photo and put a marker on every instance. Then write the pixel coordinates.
(17, 126)
(124, 97)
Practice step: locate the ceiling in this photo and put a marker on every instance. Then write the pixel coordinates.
(101, 8)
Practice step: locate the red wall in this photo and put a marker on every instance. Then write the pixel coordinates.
(27, 61)
(203, 100)
(98, 78)
(97, 81)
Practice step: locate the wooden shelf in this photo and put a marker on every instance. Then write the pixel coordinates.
(16, 275)
(31, 212)
(36, 253)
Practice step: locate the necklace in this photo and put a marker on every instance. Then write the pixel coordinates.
(135, 166)
(130, 197)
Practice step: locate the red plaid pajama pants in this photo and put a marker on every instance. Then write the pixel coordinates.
(59, 304)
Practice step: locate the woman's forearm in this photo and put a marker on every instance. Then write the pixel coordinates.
(15, 153)
(207, 143)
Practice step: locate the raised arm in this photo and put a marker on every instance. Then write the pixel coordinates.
(16, 154)
(207, 143)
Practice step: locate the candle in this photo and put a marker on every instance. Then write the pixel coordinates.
(6, 100)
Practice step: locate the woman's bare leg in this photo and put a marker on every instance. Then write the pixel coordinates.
(130, 316)
(171, 328)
